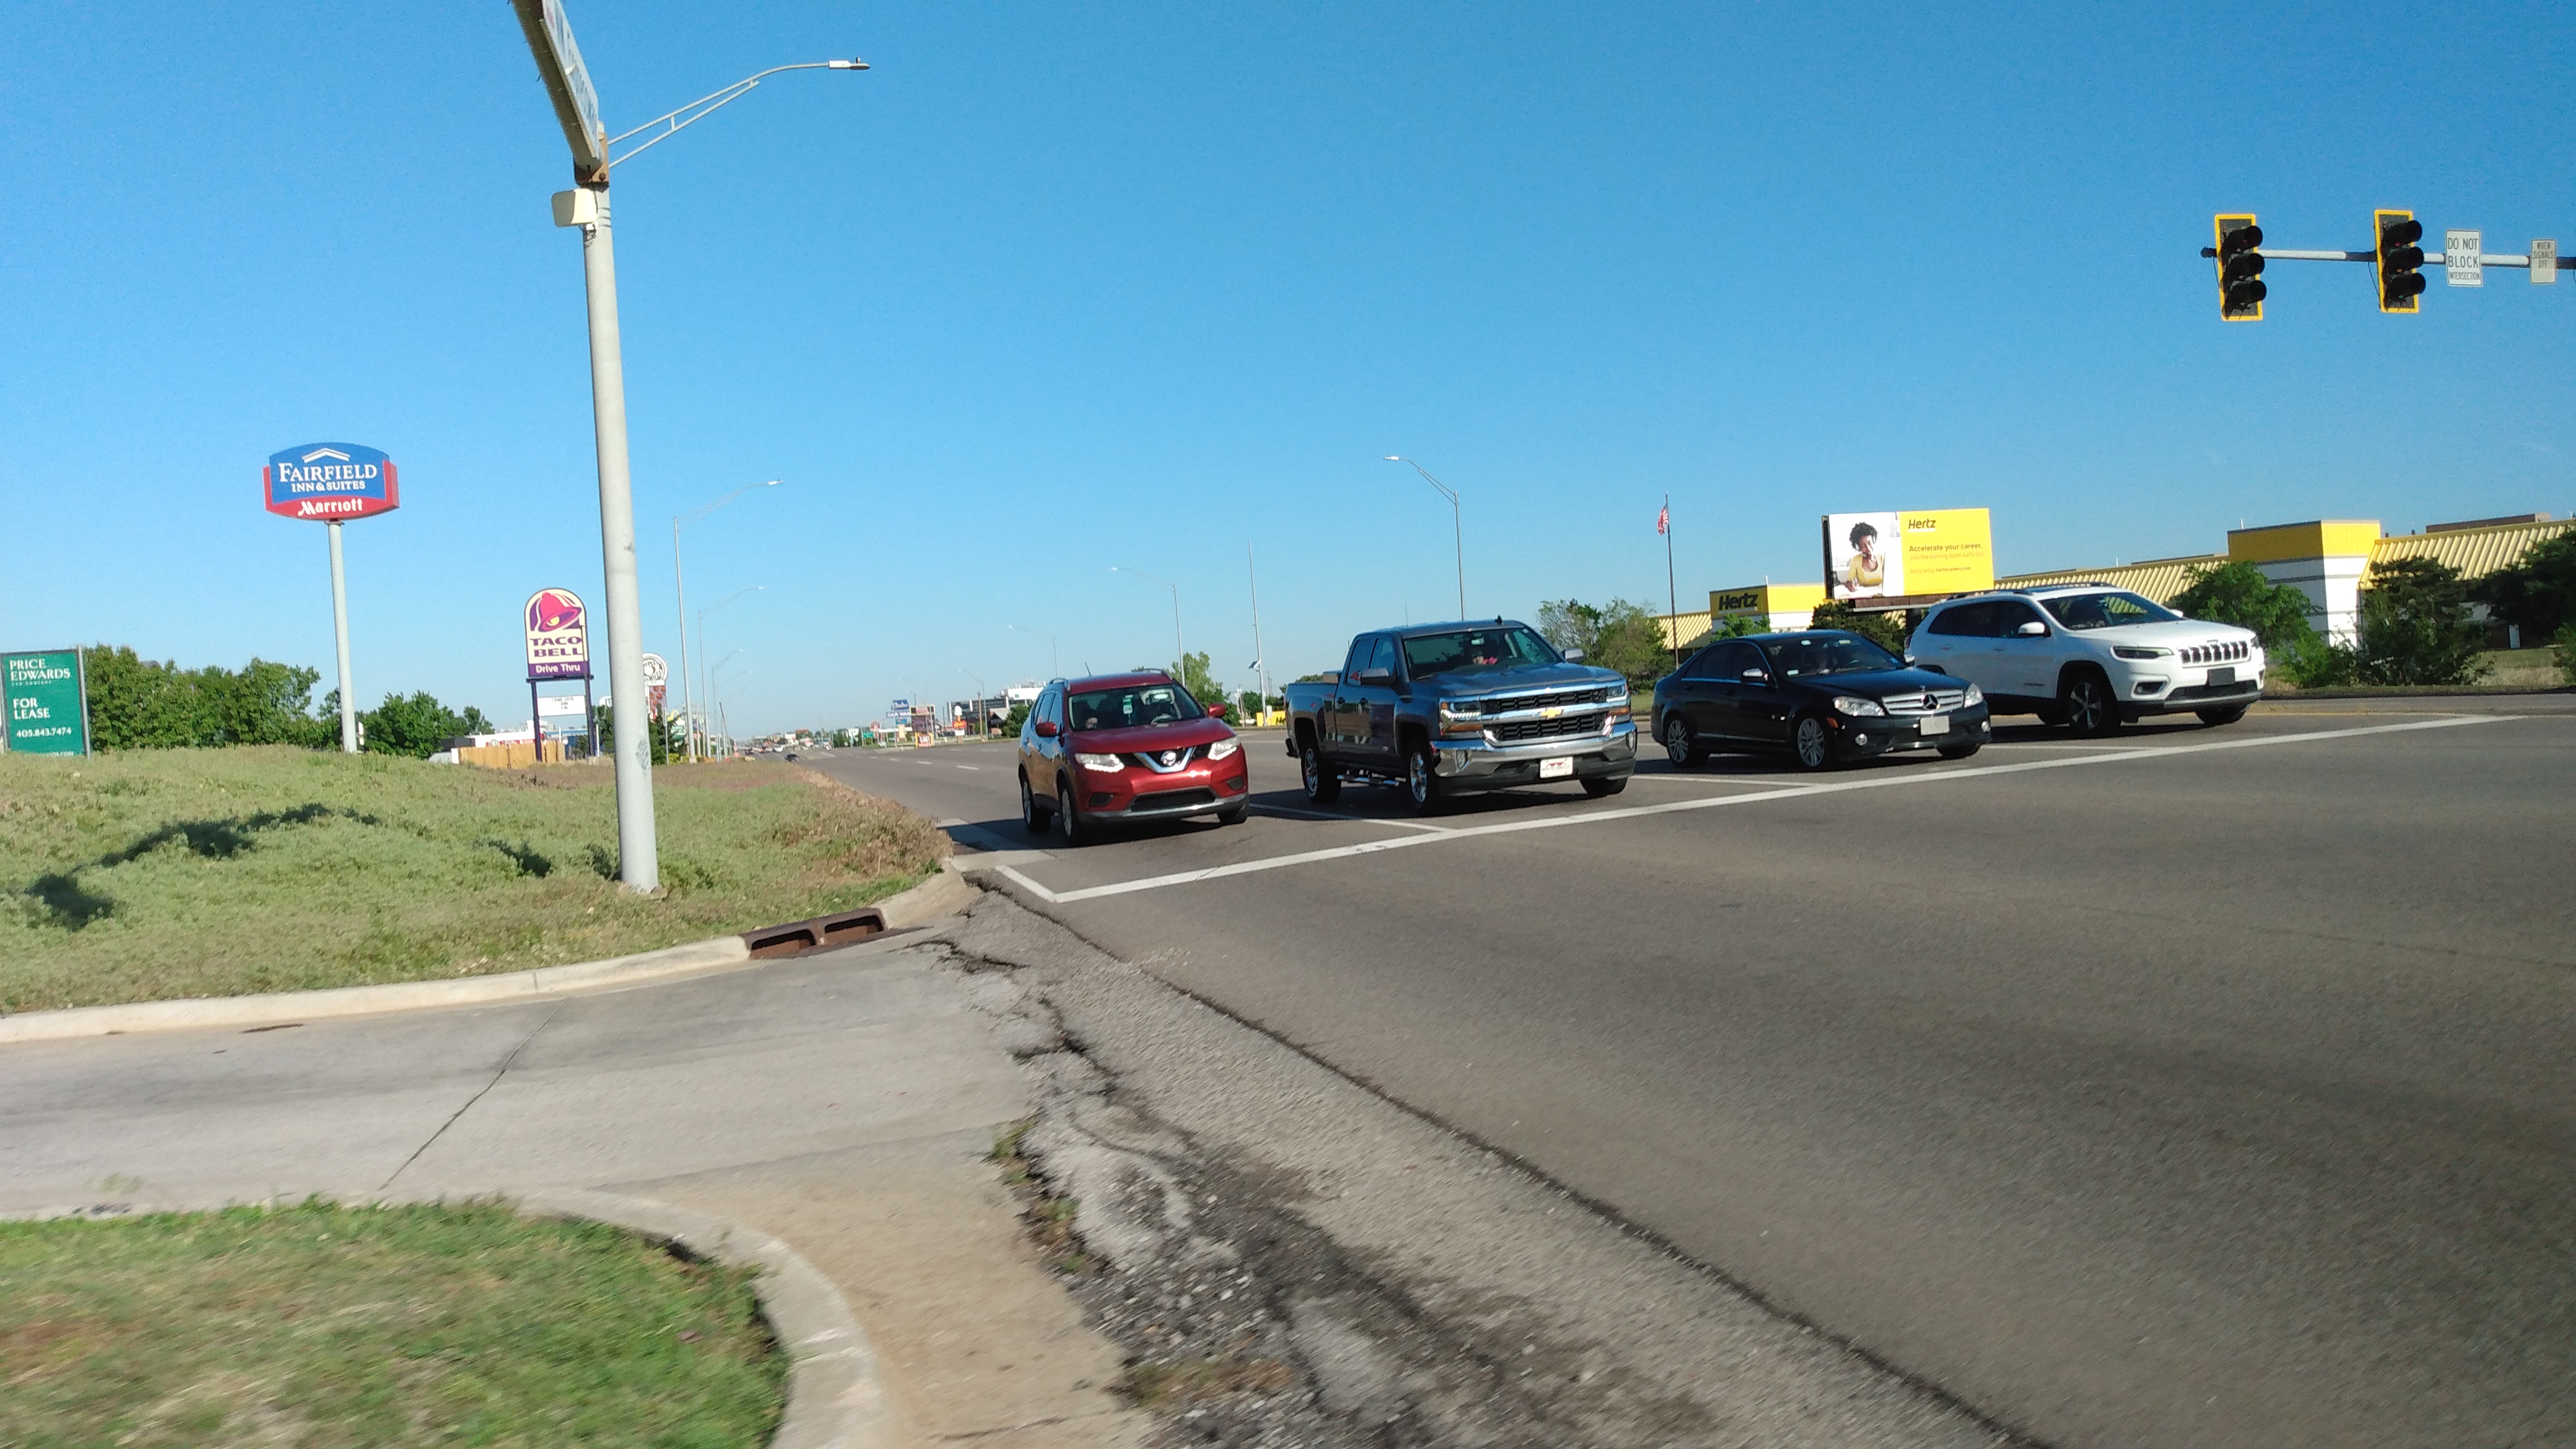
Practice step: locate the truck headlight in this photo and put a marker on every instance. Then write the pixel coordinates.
(1852, 704)
(1224, 747)
(1105, 764)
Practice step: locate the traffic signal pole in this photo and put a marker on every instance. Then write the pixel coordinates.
(2398, 256)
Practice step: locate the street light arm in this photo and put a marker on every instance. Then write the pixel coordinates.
(712, 102)
(683, 520)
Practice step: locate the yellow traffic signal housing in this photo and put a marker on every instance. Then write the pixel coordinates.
(2240, 268)
(2395, 237)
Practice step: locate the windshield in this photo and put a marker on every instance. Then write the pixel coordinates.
(1130, 705)
(1473, 651)
(1809, 655)
(2106, 611)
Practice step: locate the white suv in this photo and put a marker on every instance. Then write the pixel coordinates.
(2091, 656)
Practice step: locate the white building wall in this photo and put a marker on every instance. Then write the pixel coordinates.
(2333, 587)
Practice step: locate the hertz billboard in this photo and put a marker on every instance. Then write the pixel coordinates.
(1908, 556)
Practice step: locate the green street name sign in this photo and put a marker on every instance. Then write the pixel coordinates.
(48, 702)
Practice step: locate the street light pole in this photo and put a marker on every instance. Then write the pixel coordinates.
(1457, 528)
(681, 581)
(1181, 662)
(1055, 657)
(706, 690)
(576, 105)
(1260, 660)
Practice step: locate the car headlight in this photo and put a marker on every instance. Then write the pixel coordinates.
(1224, 747)
(1618, 696)
(2127, 652)
(1102, 763)
(1975, 696)
(1851, 704)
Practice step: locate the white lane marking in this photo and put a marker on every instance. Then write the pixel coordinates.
(1596, 817)
(970, 767)
(1354, 819)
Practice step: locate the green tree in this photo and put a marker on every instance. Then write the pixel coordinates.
(417, 726)
(2239, 594)
(2537, 593)
(1193, 674)
(1619, 635)
(2415, 626)
(1883, 626)
(1018, 717)
(2563, 645)
(144, 704)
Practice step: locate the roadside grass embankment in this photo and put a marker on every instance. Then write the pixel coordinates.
(317, 1324)
(162, 874)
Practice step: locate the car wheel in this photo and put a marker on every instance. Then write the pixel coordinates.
(1323, 782)
(1068, 821)
(1032, 814)
(1421, 784)
(2086, 701)
(1679, 746)
(1959, 752)
(1811, 744)
(1600, 785)
(2216, 717)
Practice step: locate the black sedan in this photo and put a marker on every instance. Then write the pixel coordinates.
(1824, 696)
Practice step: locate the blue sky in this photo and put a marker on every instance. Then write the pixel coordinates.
(1059, 287)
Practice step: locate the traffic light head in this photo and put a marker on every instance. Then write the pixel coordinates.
(2240, 268)
(2400, 284)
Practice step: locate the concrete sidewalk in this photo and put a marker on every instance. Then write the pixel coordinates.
(845, 1102)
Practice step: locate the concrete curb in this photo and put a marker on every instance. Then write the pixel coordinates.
(943, 894)
(835, 1399)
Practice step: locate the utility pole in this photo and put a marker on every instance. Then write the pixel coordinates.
(1457, 528)
(576, 104)
(1672, 599)
(1260, 660)
(1182, 651)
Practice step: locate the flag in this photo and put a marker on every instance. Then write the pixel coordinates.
(1664, 520)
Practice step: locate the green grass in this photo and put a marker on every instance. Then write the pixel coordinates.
(323, 1326)
(156, 874)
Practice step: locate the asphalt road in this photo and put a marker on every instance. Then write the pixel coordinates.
(2204, 1087)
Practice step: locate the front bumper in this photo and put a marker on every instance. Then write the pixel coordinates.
(1467, 765)
(2189, 697)
(1860, 736)
(1136, 793)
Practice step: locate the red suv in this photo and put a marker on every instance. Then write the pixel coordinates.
(1126, 747)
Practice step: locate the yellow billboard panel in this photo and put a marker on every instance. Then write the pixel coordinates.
(1920, 554)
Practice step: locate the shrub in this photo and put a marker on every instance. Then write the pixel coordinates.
(2415, 626)
(2239, 594)
(2537, 593)
(2564, 647)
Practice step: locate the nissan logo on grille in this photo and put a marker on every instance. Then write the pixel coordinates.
(1170, 757)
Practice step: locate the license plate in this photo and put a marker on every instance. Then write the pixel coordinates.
(1556, 769)
(1933, 724)
(2222, 676)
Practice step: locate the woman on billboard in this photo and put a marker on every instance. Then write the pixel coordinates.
(1866, 571)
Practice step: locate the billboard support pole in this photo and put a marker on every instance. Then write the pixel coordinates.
(340, 639)
(638, 862)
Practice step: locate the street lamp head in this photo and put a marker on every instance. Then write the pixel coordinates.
(853, 63)
(1392, 458)
(772, 483)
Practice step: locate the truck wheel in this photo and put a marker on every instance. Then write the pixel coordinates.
(1323, 782)
(2090, 709)
(1421, 785)
(1033, 816)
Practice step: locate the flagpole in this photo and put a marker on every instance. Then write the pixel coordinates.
(1672, 597)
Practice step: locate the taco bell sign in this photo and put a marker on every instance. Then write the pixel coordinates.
(558, 635)
(330, 482)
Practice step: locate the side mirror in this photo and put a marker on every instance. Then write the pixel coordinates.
(1573, 656)
(2033, 630)
(1374, 676)
(1046, 729)
(1757, 676)
(1216, 711)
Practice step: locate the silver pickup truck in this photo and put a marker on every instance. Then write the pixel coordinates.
(1450, 709)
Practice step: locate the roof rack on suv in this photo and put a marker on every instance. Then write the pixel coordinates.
(2068, 584)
